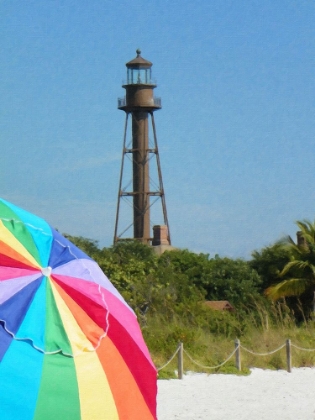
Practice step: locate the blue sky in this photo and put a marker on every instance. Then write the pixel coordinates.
(236, 131)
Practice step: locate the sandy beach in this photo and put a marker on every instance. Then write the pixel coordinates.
(262, 395)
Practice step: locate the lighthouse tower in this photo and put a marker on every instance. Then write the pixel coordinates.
(139, 105)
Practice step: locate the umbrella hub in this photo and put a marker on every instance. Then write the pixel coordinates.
(46, 271)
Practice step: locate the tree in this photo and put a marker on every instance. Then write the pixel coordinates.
(126, 249)
(299, 273)
(269, 262)
(194, 266)
(217, 278)
(232, 280)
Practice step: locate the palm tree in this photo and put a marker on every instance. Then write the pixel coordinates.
(299, 273)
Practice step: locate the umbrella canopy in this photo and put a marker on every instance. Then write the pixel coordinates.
(70, 346)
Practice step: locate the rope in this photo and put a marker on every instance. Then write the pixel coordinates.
(263, 354)
(230, 356)
(301, 348)
(211, 367)
(167, 363)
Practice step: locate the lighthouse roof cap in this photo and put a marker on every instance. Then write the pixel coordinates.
(138, 61)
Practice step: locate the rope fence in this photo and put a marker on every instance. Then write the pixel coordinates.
(180, 351)
(169, 361)
(211, 367)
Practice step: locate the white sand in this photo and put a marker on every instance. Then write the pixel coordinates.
(263, 395)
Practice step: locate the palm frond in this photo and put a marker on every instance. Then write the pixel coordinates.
(294, 265)
(286, 241)
(301, 267)
(291, 287)
(289, 244)
(303, 225)
(307, 229)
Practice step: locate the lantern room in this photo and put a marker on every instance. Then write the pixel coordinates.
(139, 71)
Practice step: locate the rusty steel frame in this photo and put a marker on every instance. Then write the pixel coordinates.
(160, 193)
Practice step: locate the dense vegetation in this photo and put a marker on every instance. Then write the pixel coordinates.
(272, 296)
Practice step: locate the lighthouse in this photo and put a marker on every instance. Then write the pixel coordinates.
(139, 105)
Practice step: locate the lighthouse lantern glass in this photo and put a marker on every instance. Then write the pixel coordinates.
(138, 76)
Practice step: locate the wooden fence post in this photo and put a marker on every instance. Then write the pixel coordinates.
(288, 352)
(180, 358)
(238, 363)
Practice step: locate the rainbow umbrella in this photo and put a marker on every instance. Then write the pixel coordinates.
(70, 346)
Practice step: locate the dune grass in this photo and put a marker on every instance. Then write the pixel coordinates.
(209, 340)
